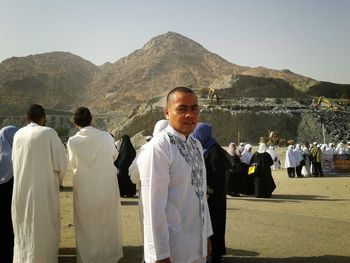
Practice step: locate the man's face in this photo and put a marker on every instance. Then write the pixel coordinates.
(182, 112)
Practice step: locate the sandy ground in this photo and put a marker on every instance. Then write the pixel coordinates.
(306, 220)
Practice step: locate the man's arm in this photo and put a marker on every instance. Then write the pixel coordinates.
(59, 156)
(154, 165)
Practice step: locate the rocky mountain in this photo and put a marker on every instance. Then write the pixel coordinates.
(164, 62)
(171, 60)
(126, 96)
(298, 119)
(297, 81)
(57, 80)
(236, 86)
(62, 80)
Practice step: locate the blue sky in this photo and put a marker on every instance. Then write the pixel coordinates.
(309, 37)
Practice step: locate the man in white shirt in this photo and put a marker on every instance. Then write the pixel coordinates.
(174, 188)
(96, 199)
(39, 163)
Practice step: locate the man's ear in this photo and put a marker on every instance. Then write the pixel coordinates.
(166, 113)
(42, 121)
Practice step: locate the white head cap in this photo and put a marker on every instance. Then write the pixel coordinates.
(262, 148)
(160, 125)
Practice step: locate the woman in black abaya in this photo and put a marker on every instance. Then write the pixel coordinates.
(264, 184)
(126, 155)
(235, 179)
(216, 164)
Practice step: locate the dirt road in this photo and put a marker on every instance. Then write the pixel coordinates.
(307, 220)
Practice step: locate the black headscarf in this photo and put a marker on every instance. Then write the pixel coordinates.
(126, 155)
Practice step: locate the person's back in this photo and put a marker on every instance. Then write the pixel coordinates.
(39, 160)
(93, 150)
(97, 208)
(125, 158)
(264, 184)
(27, 142)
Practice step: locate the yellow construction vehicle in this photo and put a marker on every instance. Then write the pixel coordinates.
(344, 100)
(274, 139)
(212, 94)
(324, 103)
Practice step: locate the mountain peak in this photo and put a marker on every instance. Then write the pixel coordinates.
(171, 40)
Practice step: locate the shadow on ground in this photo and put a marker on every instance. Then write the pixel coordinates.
(246, 256)
(126, 203)
(134, 255)
(319, 259)
(278, 198)
(131, 255)
(66, 189)
(67, 255)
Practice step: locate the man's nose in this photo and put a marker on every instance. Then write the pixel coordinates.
(189, 114)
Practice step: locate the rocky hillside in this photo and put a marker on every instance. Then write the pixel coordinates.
(63, 81)
(57, 80)
(297, 81)
(235, 86)
(251, 118)
(164, 62)
(125, 96)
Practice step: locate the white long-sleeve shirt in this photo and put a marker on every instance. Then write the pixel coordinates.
(173, 182)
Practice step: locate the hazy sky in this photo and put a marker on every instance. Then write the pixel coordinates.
(309, 37)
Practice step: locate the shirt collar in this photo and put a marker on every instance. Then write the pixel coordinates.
(33, 124)
(172, 131)
(87, 128)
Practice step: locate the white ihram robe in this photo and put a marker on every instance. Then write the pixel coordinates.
(174, 188)
(96, 200)
(39, 162)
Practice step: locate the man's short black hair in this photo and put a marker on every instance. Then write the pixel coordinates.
(179, 89)
(35, 112)
(82, 117)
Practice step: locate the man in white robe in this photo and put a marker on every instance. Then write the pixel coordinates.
(39, 163)
(173, 179)
(290, 162)
(276, 159)
(96, 199)
(305, 171)
(135, 173)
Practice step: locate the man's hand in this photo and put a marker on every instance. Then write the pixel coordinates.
(166, 260)
(209, 247)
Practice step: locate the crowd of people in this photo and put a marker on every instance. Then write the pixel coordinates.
(181, 173)
(306, 160)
